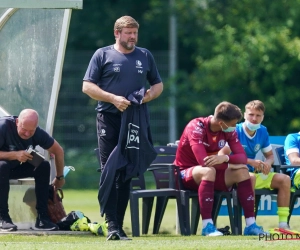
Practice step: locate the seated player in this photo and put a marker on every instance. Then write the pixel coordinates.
(205, 171)
(254, 137)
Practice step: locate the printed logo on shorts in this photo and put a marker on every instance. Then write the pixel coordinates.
(133, 139)
(102, 132)
(182, 174)
(116, 69)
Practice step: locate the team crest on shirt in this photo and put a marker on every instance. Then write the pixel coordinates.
(257, 147)
(138, 64)
(221, 143)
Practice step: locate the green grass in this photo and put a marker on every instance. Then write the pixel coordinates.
(86, 201)
(146, 242)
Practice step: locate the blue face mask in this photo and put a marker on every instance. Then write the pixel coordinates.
(252, 126)
(228, 129)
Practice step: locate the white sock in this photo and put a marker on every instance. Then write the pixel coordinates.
(284, 225)
(206, 221)
(250, 221)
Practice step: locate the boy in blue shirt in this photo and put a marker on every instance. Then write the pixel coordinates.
(255, 137)
(291, 152)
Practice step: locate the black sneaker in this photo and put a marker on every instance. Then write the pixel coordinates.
(123, 235)
(112, 231)
(7, 224)
(113, 235)
(44, 224)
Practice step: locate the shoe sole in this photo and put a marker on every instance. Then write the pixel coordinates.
(8, 229)
(213, 235)
(113, 236)
(125, 238)
(44, 229)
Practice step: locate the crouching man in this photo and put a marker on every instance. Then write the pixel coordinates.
(16, 135)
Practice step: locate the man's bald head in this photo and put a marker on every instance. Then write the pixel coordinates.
(29, 114)
(27, 123)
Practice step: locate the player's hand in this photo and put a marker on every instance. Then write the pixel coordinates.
(212, 160)
(265, 168)
(262, 167)
(121, 103)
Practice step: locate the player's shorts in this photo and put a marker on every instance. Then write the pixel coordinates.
(189, 182)
(296, 180)
(220, 181)
(264, 181)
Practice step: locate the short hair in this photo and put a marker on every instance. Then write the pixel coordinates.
(125, 22)
(256, 104)
(227, 111)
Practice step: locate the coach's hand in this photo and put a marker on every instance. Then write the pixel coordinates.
(58, 183)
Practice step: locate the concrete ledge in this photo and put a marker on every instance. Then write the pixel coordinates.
(24, 181)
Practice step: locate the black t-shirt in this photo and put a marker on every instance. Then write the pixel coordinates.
(121, 74)
(11, 141)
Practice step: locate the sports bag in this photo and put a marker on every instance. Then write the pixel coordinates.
(56, 209)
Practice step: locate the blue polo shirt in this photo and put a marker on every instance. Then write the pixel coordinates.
(121, 74)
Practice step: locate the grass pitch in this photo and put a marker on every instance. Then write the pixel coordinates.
(86, 201)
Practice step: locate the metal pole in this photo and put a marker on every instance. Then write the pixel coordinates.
(172, 72)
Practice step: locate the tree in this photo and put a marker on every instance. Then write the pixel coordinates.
(234, 50)
(244, 50)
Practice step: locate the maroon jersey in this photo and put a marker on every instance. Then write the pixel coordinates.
(197, 137)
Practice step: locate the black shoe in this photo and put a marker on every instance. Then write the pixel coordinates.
(7, 224)
(112, 231)
(123, 235)
(113, 235)
(44, 224)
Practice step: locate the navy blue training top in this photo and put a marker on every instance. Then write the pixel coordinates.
(121, 74)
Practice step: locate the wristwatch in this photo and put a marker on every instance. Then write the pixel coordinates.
(60, 177)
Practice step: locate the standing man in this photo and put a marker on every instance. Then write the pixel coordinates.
(205, 171)
(255, 137)
(292, 157)
(16, 135)
(115, 72)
